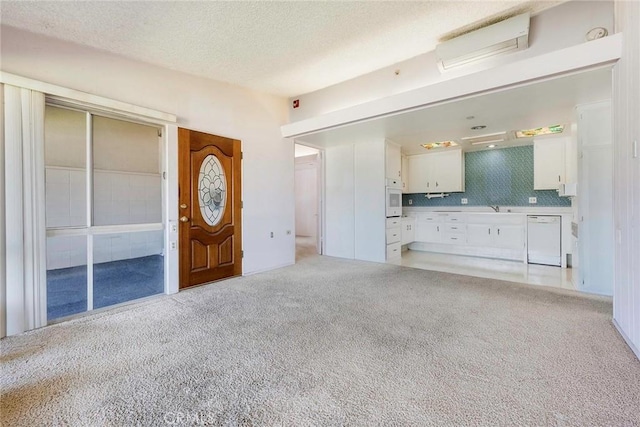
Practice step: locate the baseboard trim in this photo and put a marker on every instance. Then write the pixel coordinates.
(251, 273)
(633, 348)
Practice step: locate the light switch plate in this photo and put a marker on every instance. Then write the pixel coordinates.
(533, 200)
(464, 201)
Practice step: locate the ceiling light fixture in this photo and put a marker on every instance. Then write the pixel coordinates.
(441, 144)
(549, 130)
(492, 146)
(479, 127)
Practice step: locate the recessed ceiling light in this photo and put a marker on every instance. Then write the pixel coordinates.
(478, 127)
(487, 142)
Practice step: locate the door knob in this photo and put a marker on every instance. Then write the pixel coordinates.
(184, 219)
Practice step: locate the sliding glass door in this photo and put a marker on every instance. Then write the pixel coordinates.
(104, 211)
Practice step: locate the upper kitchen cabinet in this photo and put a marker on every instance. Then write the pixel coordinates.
(393, 161)
(441, 172)
(405, 174)
(549, 163)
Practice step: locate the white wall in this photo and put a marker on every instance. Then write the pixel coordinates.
(370, 215)
(556, 28)
(355, 189)
(339, 201)
(200, 104)
(626, 180)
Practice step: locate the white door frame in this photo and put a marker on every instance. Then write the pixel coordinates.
(320, 194)
(320, 217)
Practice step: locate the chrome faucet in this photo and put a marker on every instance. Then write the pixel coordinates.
(496, 208)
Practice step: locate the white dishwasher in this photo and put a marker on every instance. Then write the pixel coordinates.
(543, 239)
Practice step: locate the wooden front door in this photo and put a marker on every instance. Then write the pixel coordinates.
(209, 209)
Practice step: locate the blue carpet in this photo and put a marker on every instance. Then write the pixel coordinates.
(113, 282)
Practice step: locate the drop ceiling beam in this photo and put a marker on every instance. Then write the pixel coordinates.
(589, 55)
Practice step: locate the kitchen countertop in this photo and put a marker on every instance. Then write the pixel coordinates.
(504, 210)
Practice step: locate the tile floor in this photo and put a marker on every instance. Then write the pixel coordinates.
(512, 271)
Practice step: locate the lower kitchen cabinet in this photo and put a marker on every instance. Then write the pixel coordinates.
(428, 232)
(479, 234)
(509, 236)
(408, 230)
(393, 251)
(500, 235)
(393, 236)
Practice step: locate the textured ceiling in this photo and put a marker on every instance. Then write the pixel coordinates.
(283, 47)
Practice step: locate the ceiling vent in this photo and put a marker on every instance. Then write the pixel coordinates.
(505, 36)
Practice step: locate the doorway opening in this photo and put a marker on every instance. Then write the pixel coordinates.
(308, 200)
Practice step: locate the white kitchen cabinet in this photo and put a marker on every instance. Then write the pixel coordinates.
(393, 234)
(508, 236)
(436, 172)
(394, 251)
(493, 235)
(479, 234)
(418, 174)
(496, 230)
(549, 163)
(393, 161)
(408, 230)
(404, 172)
(428, 232)
(440, 227)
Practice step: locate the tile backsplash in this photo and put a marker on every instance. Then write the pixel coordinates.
(495, 177)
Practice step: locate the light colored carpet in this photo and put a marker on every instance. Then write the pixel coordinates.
(305, 247)
(330, 342)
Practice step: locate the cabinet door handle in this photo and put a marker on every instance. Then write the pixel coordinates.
(558, 178)
(436, 183)
(427, 184)
(498, 231)
(489, 231)
(438, 228)
(454, 228)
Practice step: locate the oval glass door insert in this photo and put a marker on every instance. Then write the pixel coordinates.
(212, 190)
